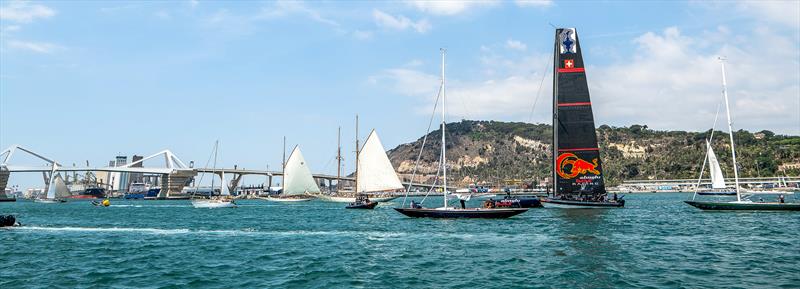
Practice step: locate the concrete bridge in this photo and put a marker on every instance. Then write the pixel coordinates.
(175, 175)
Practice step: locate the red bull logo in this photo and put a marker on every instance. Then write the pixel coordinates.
(569, 166)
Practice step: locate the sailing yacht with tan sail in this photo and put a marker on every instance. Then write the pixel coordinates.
(375, 175)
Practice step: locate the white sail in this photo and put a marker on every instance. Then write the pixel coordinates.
(224, 191)
(717, 180)
(297, 178)
(57, 188)
(375, 171)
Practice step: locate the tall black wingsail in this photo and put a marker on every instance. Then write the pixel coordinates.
(576, 157)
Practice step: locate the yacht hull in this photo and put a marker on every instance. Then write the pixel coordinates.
(289, 200)
(568, 204)
(49, 201)
(744, 206)
(461, 213)
(213, 204)
(368, 206)
(336, 199)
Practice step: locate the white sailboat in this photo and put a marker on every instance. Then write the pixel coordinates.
(374, 174)
(298, 182)
(742, 199)
(224, 199)
(56, 191)
(718, 186)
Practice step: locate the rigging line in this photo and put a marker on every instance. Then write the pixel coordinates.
(422, 148)
(197, 184)
(708, 144)
(435, 181)
(538, 91)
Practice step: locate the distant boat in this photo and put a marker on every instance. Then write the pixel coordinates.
(224, 200)
(375, 175)
(577, 168)
(7, 195)
(743, 201)
(362, 202)
(417, 211)
(298, 182)
(56, 190)
(90, 193)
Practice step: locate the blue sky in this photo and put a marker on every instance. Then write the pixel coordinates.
(88, 80)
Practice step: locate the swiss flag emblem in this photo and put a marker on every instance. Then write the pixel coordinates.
(569, 63)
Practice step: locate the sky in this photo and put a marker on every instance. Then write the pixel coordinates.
(88, 80)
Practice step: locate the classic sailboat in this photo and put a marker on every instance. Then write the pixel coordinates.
(298, 183)
(742, 200)
(417, 211)
(577, 169)
(224, 199)
(374, 173)
(56, 190)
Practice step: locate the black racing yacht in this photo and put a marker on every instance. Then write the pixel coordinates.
(577, 169)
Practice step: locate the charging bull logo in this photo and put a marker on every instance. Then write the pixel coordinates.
(570, 166)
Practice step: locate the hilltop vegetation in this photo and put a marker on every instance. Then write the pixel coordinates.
(512, 152)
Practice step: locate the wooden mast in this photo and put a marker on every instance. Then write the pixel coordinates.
(355, 189)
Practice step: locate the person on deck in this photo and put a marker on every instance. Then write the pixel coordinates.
(463, 203)
(615, 197)
(780, 198)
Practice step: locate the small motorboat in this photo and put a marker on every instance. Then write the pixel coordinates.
(103, 203)
(214, 203)
(362, 202)
(49, 201)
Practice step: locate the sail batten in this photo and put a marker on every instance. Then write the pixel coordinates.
(577, 164)
(375, 171)
(297, 178)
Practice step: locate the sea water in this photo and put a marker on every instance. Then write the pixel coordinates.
(656, 241)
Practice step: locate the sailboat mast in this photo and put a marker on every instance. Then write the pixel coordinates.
(555, 115)
(339, 159)
(355, 189)
(444, 122)
(730, 129)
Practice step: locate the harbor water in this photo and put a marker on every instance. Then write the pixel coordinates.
(656, 241)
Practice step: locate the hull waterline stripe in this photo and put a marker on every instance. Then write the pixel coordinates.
(579, 149)
(570, 70)
(574, 104)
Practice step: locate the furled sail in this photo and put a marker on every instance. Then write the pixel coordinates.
(297, 178)
(576, 156)
(717, 180)
(375, 172)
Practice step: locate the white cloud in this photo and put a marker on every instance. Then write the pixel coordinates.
(39, 47)
(449, 7)
(362, 34)
(25, 12)
(285, 8)
(400, 22)
(671, 81)
(193, 3)
(534, 3)
(783, 12)
(10, 28)
(516, 45)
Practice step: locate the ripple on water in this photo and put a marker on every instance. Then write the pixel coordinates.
(657, 242)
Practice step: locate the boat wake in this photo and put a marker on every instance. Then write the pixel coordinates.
(372, 235)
